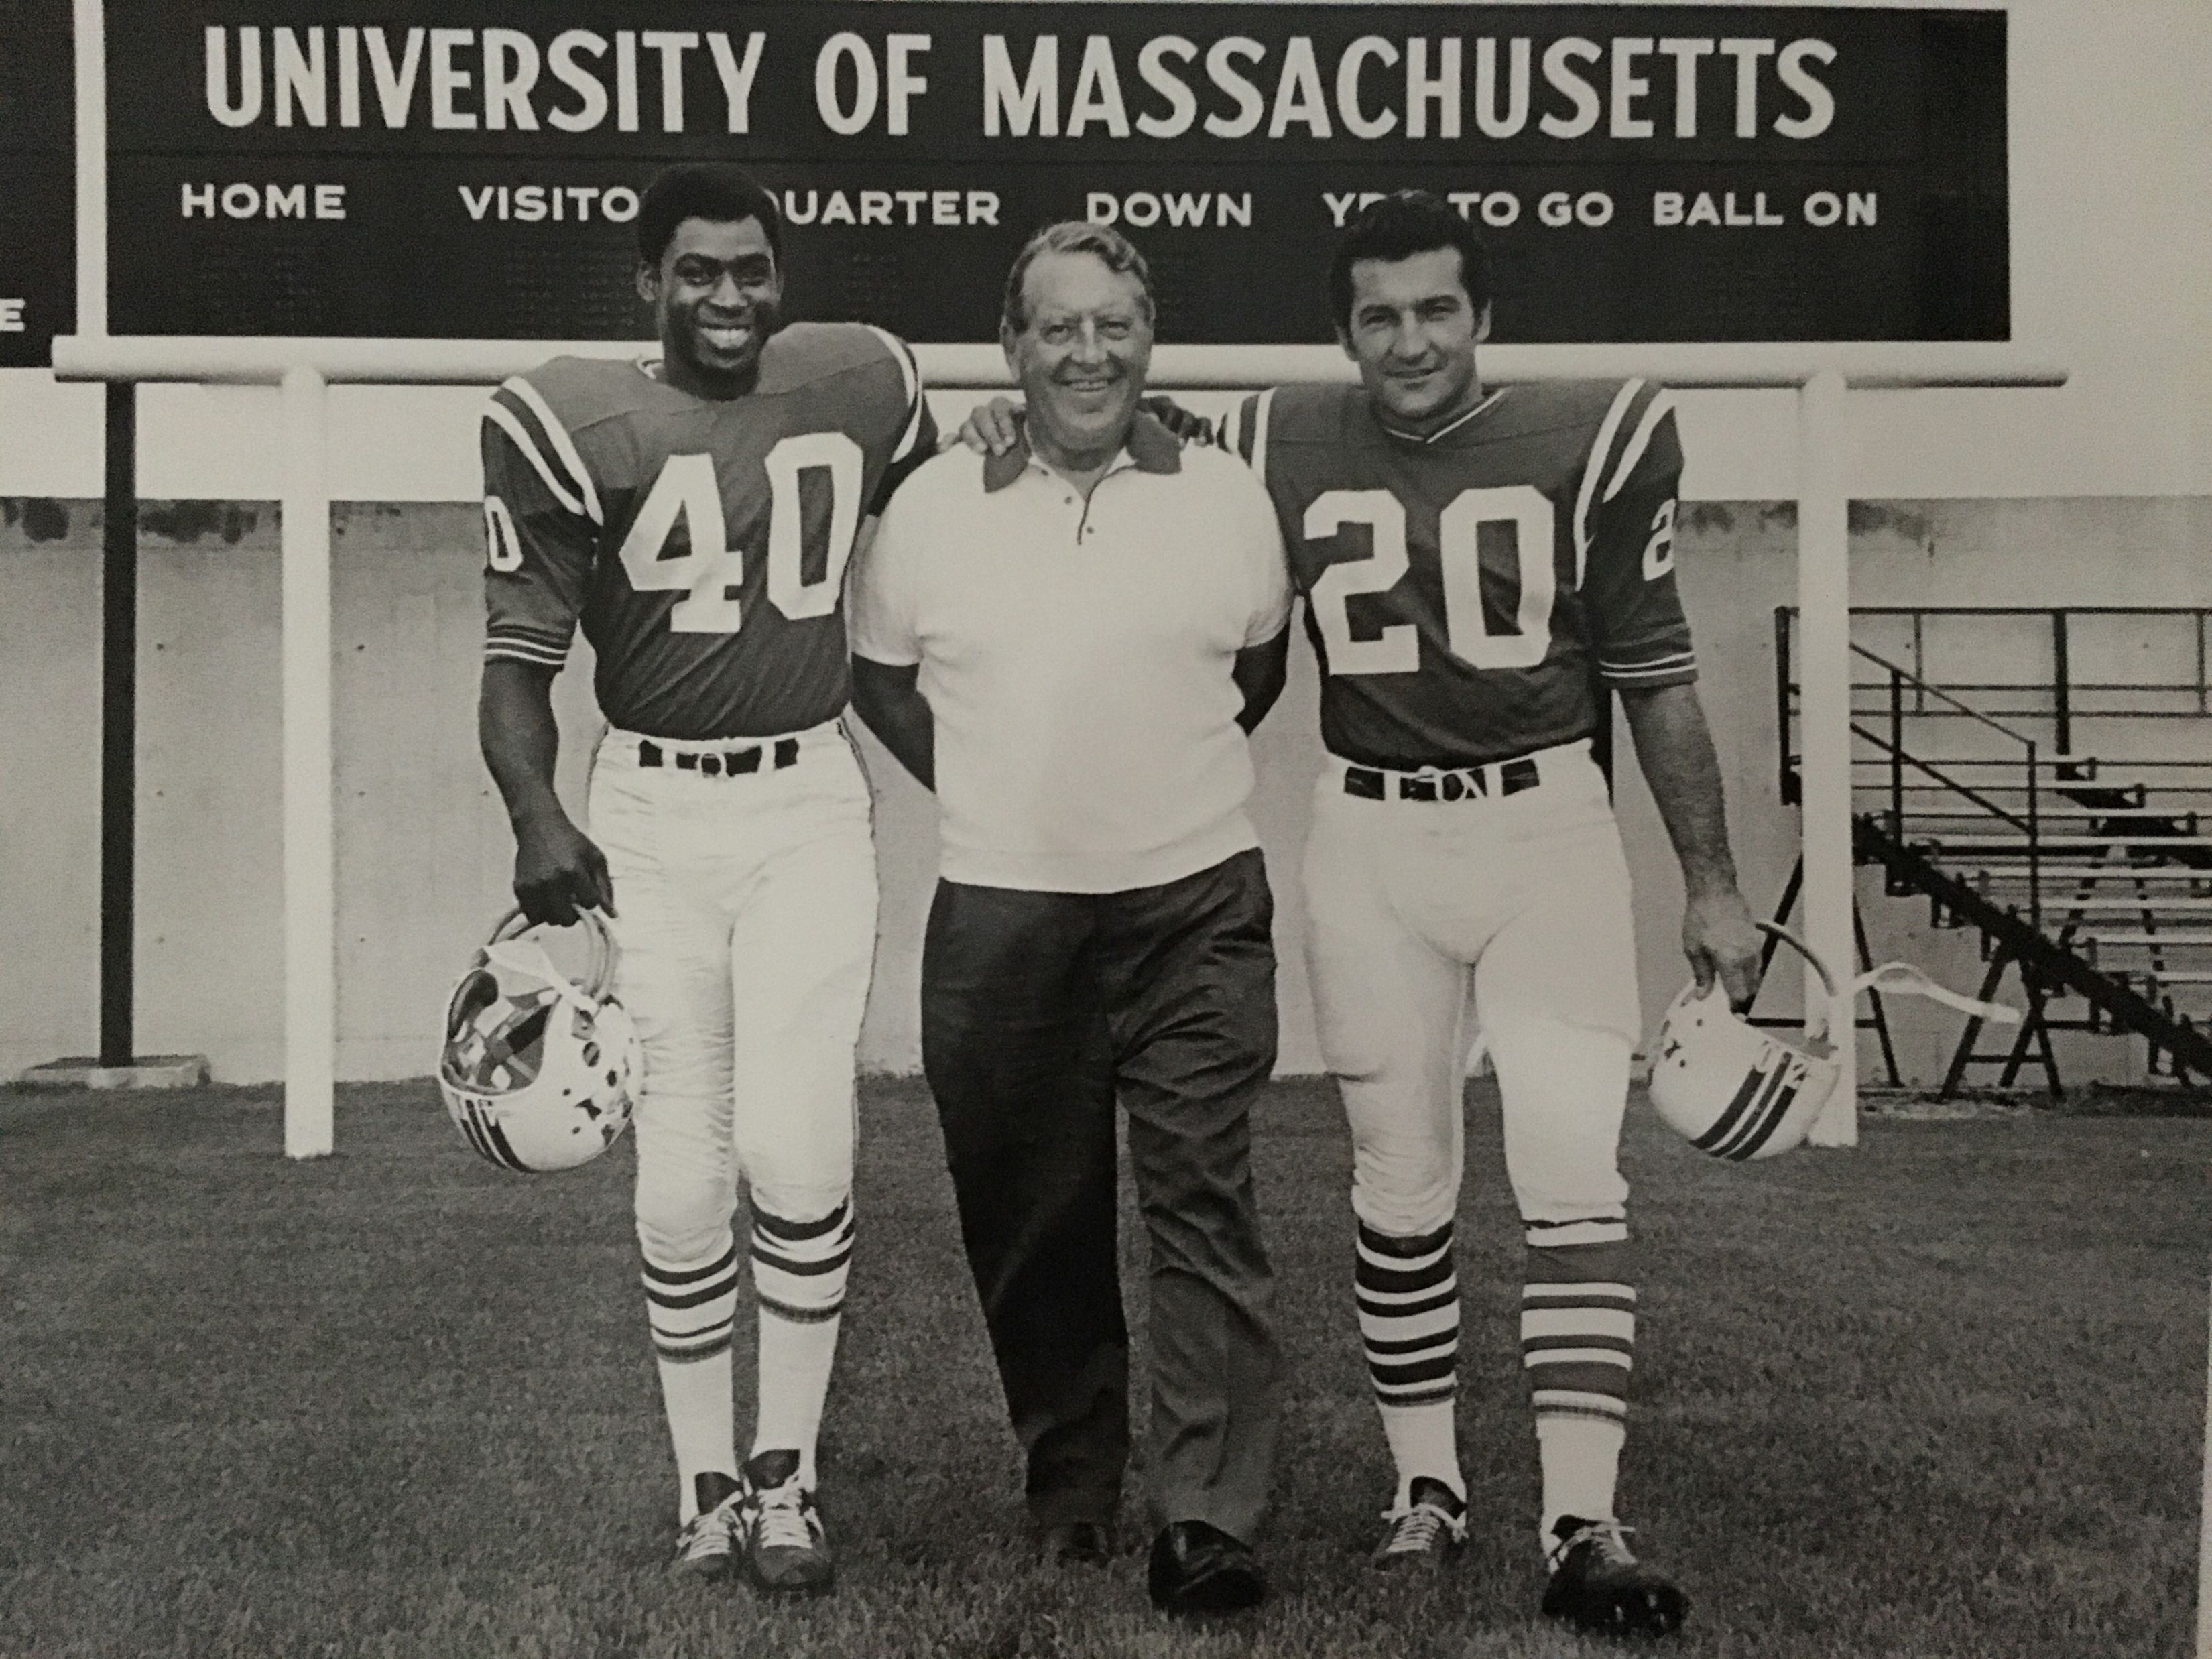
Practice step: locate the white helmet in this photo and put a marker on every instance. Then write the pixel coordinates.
(1738, 1091)
(538, 1070)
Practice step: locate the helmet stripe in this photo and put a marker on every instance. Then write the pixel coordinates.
(1760, 1123)
(474, 1130)
(1770, 1081)
(1725, 1125)
(1784, 1099)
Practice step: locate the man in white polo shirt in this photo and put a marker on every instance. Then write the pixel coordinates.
(1068, 642)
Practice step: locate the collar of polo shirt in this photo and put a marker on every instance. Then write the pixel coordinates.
(1150, 446)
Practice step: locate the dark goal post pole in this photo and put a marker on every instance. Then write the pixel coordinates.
(118, 723)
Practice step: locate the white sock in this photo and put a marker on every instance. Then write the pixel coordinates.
(799, 1269)
(1581, 1459)
(690, 1306)
(1424, 1441)
(702, 1424)
(795, 1361)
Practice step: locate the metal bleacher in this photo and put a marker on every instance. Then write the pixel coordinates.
(2044, 777)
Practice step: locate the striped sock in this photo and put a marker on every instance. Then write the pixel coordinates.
(798, 1275)
(1408, 1297)
(1578, 1339)
(690, 1306)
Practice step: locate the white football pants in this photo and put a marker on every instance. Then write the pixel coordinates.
(1513, 910)
(745, 910)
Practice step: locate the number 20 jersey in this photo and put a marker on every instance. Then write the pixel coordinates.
(1471, 594)
(701, 543)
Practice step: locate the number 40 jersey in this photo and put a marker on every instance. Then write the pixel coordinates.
(701, 542)
(1472, 594)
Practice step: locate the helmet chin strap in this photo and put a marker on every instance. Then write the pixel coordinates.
(527, 958)
(1898, 978)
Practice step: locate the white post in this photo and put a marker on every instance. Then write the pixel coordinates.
(310, 896)
(1824, 680)
(89, 19)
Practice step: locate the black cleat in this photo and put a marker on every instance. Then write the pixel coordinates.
(1597, 1584)
(779, 1537)
(705, 1547)
(1424, 1530)
(1197, 1568)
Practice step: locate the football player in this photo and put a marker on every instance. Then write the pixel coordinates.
(694, 515)
(1483, 568)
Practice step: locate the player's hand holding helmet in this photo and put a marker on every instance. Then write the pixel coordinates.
(1738, 1091)
(539, 1067)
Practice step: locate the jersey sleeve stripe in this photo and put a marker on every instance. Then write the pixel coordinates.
(1667, 659)
(1659, 408)
(1593, 468)
(1686, 669)
(519, 651)
(510, 423)
(564, 445)
(912, 373)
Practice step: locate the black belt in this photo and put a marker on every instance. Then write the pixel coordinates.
(1460, 783)
(733, 761)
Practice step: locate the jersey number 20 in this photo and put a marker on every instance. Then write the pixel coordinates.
(713, 570)
(1522, 511)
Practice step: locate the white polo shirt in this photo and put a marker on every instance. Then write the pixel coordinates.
(1076, 657)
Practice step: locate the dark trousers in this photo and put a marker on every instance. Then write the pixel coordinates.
(1036, 1010)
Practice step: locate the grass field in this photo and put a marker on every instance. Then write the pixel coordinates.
(1940, 1397)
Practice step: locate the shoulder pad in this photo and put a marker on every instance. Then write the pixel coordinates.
(802, 352)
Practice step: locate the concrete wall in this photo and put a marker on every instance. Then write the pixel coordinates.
(423, 851)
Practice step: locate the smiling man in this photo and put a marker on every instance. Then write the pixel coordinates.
(1484, 568)
(1068, 642)
(695, 513)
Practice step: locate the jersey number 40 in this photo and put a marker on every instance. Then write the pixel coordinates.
(713, 571)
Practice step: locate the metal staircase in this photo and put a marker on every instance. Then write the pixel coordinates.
(2044, 777)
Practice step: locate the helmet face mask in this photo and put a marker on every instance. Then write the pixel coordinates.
(539, 1070)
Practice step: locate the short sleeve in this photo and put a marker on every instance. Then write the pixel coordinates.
(880, 618)
(1270, 568)
(917, 438)
(539, 533)
(1639, 632)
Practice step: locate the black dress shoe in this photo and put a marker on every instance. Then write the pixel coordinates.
(1198, 1568)
(1077, 1543)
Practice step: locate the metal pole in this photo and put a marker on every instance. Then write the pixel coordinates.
(119, 725)
(2061, 690)
(1824, 722)
(310, 942)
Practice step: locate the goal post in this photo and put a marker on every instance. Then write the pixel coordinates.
(303, 370)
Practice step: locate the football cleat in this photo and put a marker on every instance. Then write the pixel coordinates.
(708, 1541)
(1424, 1530)
(1597, 1584)
(538, 1068)
(780, 1534)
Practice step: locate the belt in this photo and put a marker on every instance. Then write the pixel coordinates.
(733, 762)
(1456, 783)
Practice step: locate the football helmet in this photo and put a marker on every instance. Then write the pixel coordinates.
(1738, 1091)
(538, 1067)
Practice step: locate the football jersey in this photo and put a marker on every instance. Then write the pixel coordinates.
(701, 543)
(1472, 594)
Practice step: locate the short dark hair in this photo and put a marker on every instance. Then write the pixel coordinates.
(1397, 226)
(1102, 242)
(702, 190)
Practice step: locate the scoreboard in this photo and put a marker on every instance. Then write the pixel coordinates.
(470, 168)
(38, 180)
